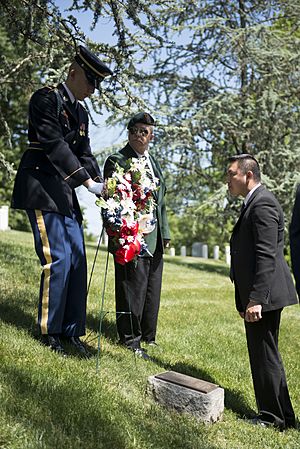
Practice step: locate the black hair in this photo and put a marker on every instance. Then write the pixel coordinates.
(247, 162)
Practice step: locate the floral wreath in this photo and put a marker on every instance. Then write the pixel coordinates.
(128, 209)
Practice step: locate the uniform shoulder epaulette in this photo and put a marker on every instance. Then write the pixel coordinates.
(55, 91)
(46, 89)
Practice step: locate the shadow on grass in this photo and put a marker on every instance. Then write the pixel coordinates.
(18, 307)
(108, 326)
(12, 311)
(233, 399)
(211, 268)
(73, 414)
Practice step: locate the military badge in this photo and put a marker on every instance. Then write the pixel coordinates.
(65, 114)
(82, 129)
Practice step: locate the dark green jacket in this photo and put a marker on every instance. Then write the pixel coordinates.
(162, 225)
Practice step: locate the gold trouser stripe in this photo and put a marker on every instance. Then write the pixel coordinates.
(46, 269)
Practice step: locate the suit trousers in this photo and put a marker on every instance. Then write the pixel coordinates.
(137, 288)
(270, 386)
(59, 244)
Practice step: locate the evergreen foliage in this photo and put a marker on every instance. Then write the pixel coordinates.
(232, 87)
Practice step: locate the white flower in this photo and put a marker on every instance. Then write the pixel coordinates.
(112, 204)
(130, 238)
(129, 219)
(122, 242)
(128, 206)
(138, 164)
(123, 181)
(146, 182)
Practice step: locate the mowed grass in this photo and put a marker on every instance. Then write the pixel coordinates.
(54, 403)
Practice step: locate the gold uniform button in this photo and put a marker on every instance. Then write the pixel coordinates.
(74, 141)
(37, 168)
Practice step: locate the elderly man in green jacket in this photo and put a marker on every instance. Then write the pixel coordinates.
(138, 284)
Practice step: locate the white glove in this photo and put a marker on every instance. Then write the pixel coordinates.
(95, 187)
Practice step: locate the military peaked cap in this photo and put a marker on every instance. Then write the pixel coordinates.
(141, 117)
(95, 70)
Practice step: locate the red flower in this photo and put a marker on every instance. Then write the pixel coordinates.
(128, 229)
(124, 255)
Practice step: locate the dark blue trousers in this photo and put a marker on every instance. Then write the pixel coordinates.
(59, 244)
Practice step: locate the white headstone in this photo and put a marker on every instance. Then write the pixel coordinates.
(205, 251)
(197, 249)
(183, 251)
(172, 251)
(227, 254)
(216, 252)
(3, 218)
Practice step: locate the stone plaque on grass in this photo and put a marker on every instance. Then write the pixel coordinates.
(187, 394)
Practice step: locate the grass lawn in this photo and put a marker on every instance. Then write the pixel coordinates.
(54, 403)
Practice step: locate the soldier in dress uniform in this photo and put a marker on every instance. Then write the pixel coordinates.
(58, 160)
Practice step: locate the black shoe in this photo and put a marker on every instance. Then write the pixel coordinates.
(140, 352)
(77, 343)
(53, 341)
(259, 422)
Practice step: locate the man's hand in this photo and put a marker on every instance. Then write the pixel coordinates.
(253, 312)
(94, 187)
(166, 243)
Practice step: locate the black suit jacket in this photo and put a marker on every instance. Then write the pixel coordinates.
(59, 156)
(258, 267)
(162, 226)
(295, 240)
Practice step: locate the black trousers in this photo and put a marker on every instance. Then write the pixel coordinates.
(137, 289)
(269, 381)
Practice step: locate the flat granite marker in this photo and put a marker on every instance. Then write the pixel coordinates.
(186, 394)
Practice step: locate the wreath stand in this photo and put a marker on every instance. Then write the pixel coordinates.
(103, 313)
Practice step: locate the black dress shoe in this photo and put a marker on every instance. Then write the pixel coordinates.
(259, 422)
(262, 421)
(140, 352)
(55, 344)
(77, 343)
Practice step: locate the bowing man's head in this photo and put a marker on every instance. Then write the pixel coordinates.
(86, 73)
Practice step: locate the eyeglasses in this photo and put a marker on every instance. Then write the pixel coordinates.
(142, 131)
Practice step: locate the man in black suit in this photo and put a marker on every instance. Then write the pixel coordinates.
(138, 285)
(263, 286)
(295, 240)
(58, 160)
